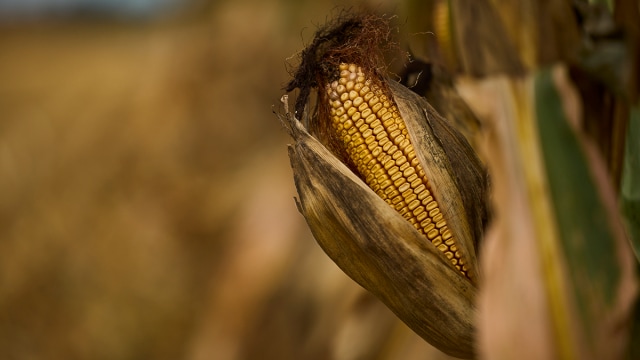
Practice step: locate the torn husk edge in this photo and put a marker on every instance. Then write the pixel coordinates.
(379, 249)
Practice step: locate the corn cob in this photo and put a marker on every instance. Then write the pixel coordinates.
(377, 142)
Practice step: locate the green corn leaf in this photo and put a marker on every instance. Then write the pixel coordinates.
(630, 203)
(630, 190)
(595, 252)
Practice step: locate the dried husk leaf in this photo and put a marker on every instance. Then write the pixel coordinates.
(380, 250)
(436, 86)
(458, 178)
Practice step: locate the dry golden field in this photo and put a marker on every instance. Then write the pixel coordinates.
(146, 199)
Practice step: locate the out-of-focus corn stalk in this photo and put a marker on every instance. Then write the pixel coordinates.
(555, 86)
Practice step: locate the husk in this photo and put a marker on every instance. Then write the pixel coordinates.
(458, 179)
(378, 248)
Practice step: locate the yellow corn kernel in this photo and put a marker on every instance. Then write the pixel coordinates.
(375, 137)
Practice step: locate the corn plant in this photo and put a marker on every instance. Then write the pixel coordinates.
(493, 205)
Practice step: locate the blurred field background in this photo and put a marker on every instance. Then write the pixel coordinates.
(146, 199)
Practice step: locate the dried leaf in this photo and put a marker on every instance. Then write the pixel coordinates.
(515, 316)
(570, 286)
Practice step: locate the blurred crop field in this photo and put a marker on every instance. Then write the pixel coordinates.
(146, 198)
